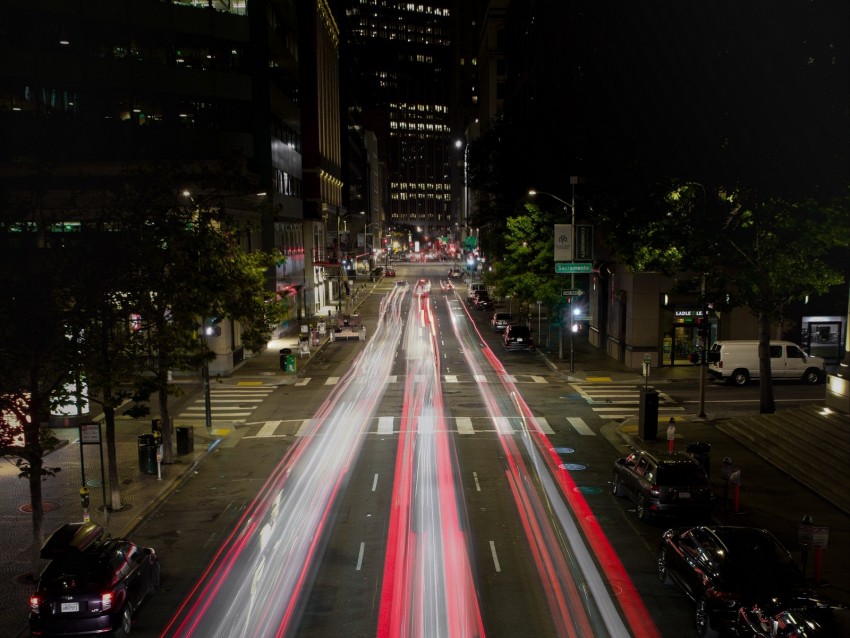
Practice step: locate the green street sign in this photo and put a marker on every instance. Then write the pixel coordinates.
(572, 267)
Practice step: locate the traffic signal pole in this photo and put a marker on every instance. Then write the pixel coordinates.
(703, 361)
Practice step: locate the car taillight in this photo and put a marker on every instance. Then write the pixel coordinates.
(653, 489)
(35, 601)
(106, 601)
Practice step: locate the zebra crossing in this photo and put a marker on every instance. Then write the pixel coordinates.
(617, 401)
(229, 404)
(447, 379)
(388, 425)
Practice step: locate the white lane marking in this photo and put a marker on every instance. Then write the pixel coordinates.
(304, 381)
(495, 556)
(477, 484)
(375, 483)
(544, 425)
(360, 556)
(464, 425)
(385, 425)
(580, 426)
(480, 378)
(268, 428)
(393, 378)
(450, 378)
(539, 379)
(332, 381)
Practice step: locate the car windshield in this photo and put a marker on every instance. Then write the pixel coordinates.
(519, 331)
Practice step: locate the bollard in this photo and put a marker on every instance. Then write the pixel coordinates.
(726, 467)
(735, 480)
(671, 433)
(84, 501)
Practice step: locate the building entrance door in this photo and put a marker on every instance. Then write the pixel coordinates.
(679, 345)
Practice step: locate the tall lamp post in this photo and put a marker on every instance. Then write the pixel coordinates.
(572, 209)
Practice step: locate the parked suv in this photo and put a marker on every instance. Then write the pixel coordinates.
(518, 338)
(92, 584)
(663, 483)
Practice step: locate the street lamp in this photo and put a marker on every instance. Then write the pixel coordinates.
(572, 208)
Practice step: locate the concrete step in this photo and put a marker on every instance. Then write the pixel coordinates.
(805, 443)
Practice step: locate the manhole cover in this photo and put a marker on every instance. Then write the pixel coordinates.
(47, 506)
(572, 467)
(588, 489)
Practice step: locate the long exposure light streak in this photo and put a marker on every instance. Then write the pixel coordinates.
(428, 588)
(261, 573)
(578, 598)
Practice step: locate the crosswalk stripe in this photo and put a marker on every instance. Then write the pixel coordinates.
(305, 428)
(539, 379)
(580, 426)
(268, 428)
(464, 425)
(544, 425)
(451, 378)
(385, 425)
(480, 378)
(331, 380)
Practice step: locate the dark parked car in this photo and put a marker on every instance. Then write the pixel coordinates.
(482, 301)
(518, 338)
(722, 568)
(796, 618)
(501, 320)
(92, 584)
(663, 483)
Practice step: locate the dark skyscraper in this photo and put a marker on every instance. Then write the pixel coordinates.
(404, 51)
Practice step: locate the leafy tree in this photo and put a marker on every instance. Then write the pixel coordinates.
(37, 356)
(758, 251)
(525, 270)
(189, 269)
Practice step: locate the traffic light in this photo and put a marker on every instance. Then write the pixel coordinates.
(702, 327)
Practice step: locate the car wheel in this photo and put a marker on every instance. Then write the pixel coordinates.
(126, 623)
(703, 620)
(812, 376)
(618, 490)
(642, 510)
(661, 565)
(740, 378)
(156, 573)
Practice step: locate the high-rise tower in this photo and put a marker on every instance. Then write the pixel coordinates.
(404, 52)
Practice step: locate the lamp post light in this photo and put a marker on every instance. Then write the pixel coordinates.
(572, 208)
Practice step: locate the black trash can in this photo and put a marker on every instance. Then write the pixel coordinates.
(147, 454)
(648, 415)
(185, 440)
(702, 453)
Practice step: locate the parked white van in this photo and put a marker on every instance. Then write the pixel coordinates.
(738, 361)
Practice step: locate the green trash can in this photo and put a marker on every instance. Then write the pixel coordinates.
(147, 454)
(289, 366)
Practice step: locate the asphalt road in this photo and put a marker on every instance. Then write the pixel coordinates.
(344, 584)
